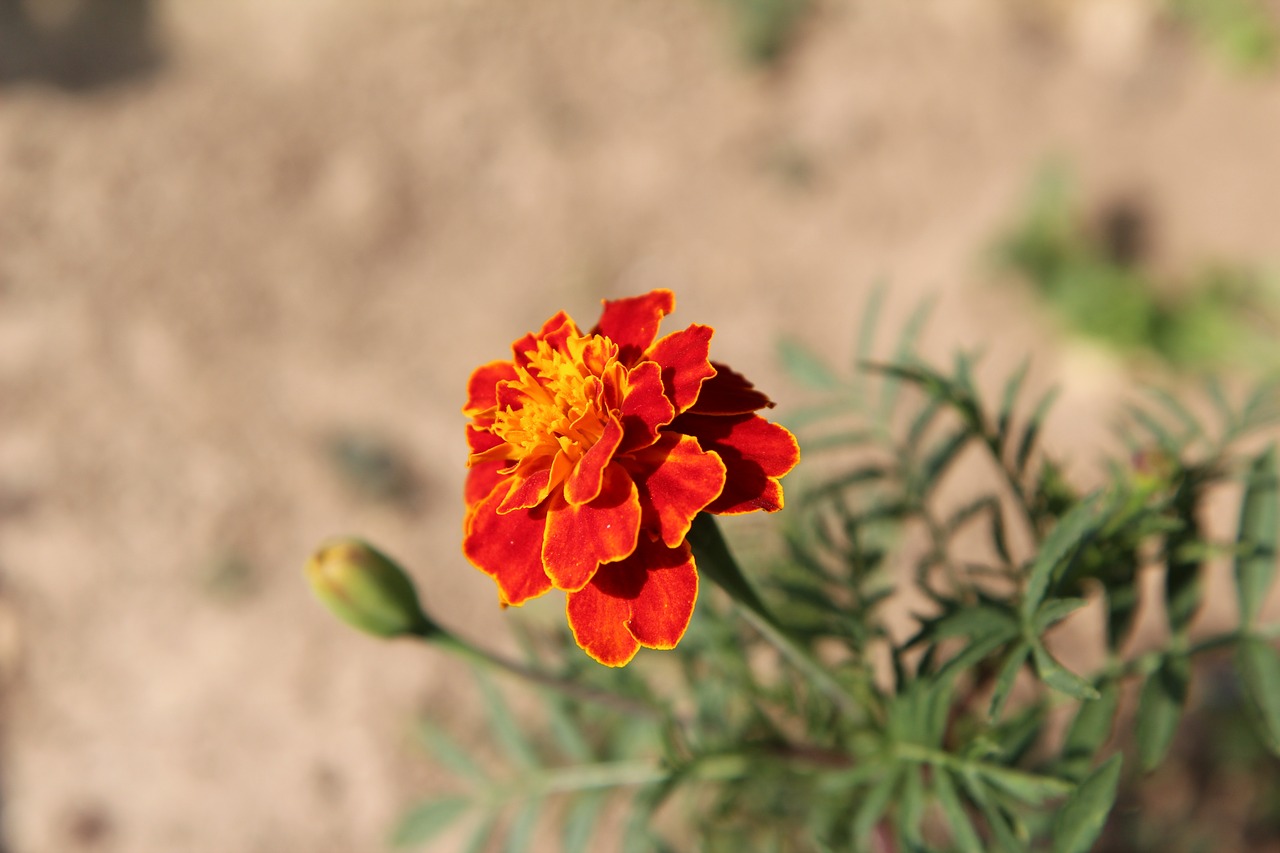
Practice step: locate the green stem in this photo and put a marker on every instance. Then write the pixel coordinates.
(484, 657)
(716, 562)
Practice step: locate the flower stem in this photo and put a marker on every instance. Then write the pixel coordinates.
(716, 562)
(572, 689)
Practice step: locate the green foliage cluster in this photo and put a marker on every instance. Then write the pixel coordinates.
(795, 716)
(1096, 281)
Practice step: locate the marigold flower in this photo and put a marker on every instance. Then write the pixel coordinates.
(591, 454)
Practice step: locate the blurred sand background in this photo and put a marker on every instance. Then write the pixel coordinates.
(232, 231)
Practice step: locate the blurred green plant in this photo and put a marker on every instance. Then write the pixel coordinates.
(798, 715)
(1096, 282)
(764, 30)
(1241, 31)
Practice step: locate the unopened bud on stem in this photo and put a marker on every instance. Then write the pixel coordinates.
(367, 590)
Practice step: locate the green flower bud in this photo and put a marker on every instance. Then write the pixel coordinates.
(367, 590)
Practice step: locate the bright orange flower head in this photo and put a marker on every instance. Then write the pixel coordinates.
(591, 454)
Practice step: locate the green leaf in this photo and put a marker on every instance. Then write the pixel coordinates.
(427, 820)
(806, 367)
(1258, 534)
(911, 807)
(1079, 821)
(962, 831)
(1032, 430)
(872, 808)
(941, 457)
(1079, 524)
(1160, 708)
(444, 748)
(1004, 680)
(1059, 678)
(997, 823)
(1008, 400)
(1055, 610)
(1259, 665)
(581, 821)
(520, 836)
(1090, 729)
(1027, 787)
(512, 741)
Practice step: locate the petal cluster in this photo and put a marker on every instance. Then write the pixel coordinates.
(592, 453)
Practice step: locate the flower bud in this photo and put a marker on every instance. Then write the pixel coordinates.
(367, 590)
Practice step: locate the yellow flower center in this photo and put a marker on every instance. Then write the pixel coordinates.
(563, 409)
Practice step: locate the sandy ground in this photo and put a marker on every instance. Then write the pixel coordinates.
(252, 225)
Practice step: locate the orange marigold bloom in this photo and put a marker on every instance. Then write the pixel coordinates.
(591, 454)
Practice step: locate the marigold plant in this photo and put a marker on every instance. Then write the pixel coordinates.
(591, 455)
(806, 709)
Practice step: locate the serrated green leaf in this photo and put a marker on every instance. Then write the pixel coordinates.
(444, 749)
(1009, 670)
(958, 823)
(1090, 729)
(806, 367)
(1160, 708)
(1079, 821)
(1255, 567)
(1059, 677)
(1259, 666)
(1079, 524)
(428, 819)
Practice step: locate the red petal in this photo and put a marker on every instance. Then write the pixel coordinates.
(645, 408)
(677, 479)
(647, 599)
(508, 547)
(728, 393)
(683, 359)
(598, 619)
(632, 323)
(579, 538)
(660, 613)
(480, 440)
(584, 484)
(481, 387)
(755, 452)
(482, 479)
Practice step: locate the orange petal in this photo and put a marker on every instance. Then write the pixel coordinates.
(645, 407)
(508, 548)
(587, 479)
(755, 452)
(632, 323)
(728, 393)
(646, 599)
(527, 491)
(481, 387)
(677, 479)
(579, 538)
(683, 358)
